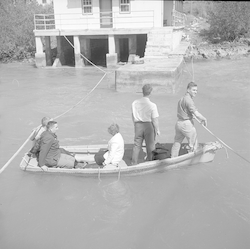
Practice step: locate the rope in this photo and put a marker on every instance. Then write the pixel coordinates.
(187, 68)
(83, 97)
(84, 56)
(28, 163)
(221, 141)
(192, 63)
(193, 67)
(119, 174)
(99, 174)
(226, 146)
(28, 139)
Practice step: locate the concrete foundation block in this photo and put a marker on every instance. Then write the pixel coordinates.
(57, 63)
(111, 60)
(164, 76)
(78, 61)
(40, 59)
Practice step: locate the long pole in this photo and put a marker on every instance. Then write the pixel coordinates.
(11, 159)
(221, 140)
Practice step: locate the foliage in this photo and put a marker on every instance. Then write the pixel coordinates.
(197, 8)
(17, 40)
(228, 21)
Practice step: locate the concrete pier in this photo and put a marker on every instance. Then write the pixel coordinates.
(163, 72)
(163, 75)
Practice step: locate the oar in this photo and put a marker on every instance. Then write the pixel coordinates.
(10, 160)
(221, 140)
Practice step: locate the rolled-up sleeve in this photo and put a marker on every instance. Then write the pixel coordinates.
(155, 113)
(190, 105)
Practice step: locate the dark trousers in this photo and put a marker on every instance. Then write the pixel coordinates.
(143, 130)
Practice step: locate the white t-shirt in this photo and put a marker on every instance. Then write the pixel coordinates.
(144, 110)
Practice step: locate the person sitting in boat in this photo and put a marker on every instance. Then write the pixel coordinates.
(112, 158)
(51, 155)
(40, 129)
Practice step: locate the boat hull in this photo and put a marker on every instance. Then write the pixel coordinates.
(204, 154)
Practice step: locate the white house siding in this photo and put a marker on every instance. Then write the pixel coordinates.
(144, 14)
(68, 15)
(138, 32)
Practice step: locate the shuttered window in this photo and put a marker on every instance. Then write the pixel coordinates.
(87, 6)
(125, 6)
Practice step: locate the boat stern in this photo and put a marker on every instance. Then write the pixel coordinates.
(210, 150)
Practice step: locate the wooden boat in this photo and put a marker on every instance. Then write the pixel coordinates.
(205, 153)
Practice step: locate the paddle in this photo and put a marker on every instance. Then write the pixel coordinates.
(220, 139)
(10, 160)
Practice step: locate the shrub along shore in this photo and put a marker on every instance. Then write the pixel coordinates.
(227, 50)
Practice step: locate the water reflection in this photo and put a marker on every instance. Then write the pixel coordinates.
(204, 206)
(116, 201)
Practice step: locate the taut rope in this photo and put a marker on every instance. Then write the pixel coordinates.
(226, 146)
(28, 139)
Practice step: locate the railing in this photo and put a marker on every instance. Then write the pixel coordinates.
(136, 19)
(44, 21)
(178, 18)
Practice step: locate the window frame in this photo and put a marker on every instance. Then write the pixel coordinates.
(87, 6)
(125, 4)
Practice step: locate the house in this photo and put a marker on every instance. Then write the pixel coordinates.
(107, 32)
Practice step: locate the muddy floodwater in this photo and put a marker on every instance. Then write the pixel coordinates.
(202, 206)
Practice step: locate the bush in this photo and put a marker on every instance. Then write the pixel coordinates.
(17, 41)
(197, 8)
(229, 21)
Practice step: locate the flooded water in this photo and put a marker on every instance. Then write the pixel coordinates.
(203, 206)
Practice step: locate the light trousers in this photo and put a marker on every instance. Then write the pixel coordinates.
(184, 129)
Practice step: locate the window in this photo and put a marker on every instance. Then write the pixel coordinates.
(87, 6)
(125, 6)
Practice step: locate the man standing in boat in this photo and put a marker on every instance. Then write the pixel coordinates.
(145, 118)
(184, 127)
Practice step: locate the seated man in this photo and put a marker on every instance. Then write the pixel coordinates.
(51, 155)
(112, 158)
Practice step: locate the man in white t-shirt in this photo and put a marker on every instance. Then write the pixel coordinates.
(145, 117)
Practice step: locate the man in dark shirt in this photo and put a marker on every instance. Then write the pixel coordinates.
(184, 127)
(51, 155)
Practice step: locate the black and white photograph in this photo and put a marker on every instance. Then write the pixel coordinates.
(124, 124)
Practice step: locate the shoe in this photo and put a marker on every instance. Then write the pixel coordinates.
(81, 165)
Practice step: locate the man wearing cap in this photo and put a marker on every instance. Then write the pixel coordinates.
(184, 127)
(145, 118)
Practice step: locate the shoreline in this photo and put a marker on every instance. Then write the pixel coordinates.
(199, 52)
(224, 50)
